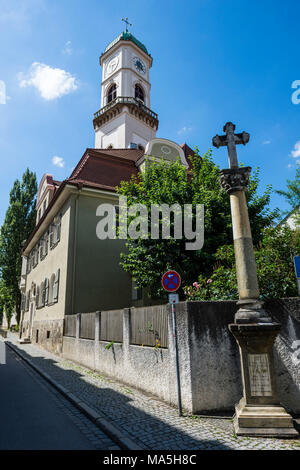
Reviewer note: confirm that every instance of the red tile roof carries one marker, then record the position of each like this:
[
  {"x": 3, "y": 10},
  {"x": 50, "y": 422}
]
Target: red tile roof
[
  {"x": 105, "y": 168},
  {"x": 101, "y": 169},
  {"x": 187, "y": 152}
]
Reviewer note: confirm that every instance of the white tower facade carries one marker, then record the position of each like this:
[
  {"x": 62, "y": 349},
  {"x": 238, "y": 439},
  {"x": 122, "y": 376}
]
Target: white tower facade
[{"x": 125, "y": 119}]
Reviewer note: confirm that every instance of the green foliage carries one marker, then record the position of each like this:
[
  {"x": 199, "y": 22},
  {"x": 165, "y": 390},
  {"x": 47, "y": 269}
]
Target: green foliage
[
  {"x": 18, "y": 224},
  {"x": 7, "y": 305},
  {"x": 292, "y": 193},
  {"x": 164, "y": 182},
  {"x": 275, "y": 269}
]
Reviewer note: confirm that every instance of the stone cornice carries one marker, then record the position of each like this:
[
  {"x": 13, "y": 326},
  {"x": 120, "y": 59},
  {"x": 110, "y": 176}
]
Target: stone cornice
[{"x": 136, "y": 109}]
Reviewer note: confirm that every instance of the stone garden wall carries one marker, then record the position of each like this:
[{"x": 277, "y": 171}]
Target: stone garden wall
[{"x": 208, "y": 355}]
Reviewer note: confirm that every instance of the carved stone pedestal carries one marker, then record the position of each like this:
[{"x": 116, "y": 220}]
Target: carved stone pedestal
[{"x": 259, "y": 412}]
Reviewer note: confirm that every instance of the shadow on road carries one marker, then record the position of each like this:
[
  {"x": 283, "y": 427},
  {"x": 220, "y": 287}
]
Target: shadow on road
[{"x": 148, "y": 431}]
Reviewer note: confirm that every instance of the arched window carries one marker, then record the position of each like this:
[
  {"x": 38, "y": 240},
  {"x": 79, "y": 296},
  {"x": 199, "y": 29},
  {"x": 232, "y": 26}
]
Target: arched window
[
  {"x": 139, "y": 93},
  {"x": 112, "y": 93}
]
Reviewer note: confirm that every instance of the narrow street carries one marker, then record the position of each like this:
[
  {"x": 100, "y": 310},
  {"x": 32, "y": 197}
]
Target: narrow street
[
  {"x": 32, "y": 412},
  {"x": 34, "y": 416}
]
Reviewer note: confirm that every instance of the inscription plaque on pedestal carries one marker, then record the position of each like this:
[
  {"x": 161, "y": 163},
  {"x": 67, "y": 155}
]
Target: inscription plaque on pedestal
[{"x": 259, "y": 374}]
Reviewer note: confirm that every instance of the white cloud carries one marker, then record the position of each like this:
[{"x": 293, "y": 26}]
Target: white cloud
[
  {"x": 67, "y": 48},
  {"x": 184, "y": 130},
  {"x": 58, "y": 161},
  {"x": 266, "y": 142},
  {"x": 296, "y": 152},
  {"x": 3, "y": 96},
  {"x": 290, "y": 165},
  {"x": 50, "y": 82}
]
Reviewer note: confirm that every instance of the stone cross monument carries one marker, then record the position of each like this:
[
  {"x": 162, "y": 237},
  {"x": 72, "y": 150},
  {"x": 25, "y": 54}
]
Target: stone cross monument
[
  {"x": 259, "y": 412},
  {"x": 235, "y": 181}
]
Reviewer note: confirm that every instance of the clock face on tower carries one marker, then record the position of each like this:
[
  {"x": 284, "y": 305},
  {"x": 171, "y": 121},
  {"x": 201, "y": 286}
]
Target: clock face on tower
[
  {"x": 112, "y": 65},
  {"x": 139, "y": 65}
]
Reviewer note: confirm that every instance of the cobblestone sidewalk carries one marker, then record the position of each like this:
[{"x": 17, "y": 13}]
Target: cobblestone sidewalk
[{"x": 149, "y": 422}]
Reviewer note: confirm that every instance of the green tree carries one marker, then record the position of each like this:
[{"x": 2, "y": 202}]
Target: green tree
[
  {"x": 7, "y": 305},
  {"x": 18, "y": 224},
  {"x": 146, "y": 259},
  {"x": 292, "y": 194},
  {"x": 275, "y": 269}
]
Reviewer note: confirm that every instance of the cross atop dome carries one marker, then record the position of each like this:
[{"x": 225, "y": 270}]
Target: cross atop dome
[{"x": 127, "y": 24}]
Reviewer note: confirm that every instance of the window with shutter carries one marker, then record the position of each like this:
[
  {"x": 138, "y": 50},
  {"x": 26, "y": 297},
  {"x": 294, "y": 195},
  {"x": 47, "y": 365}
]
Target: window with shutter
[
  {"x": 51, "y": 286},
  {"x": 58, "y": 228},
  {"x": 56, "y": 286},
  {"x": 51, "y": 235},
  {"x": 46, "y": 291},
  {"x": 27, "y": 301},
  {"x": 43, "y": 291},
  {"x": 42, "y": 243},
  {"x": 46, "y": 243},
  {"x": 37, "y": 297}
]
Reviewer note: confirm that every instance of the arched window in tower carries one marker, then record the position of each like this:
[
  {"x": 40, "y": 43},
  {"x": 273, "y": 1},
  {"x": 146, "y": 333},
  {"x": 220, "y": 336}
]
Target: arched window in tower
[
  {"x": 112, "y": 93},
  {"x": 139, "y": 93}
]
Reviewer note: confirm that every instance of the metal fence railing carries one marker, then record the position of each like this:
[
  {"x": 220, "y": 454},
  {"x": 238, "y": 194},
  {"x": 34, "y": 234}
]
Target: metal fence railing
[
  {"x": 87, "y": 326},
  {"x": 149, "y": 326},
  {"x": 112, "y": 326},
  {"x": 70, "y": 325}
]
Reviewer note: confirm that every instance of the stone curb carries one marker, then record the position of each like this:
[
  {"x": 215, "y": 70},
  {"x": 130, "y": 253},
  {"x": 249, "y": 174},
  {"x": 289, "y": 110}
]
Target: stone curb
[{"x": 102, "y": 423}]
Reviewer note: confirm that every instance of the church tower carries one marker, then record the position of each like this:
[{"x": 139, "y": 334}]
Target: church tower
[{"x": 125, "y": 119}]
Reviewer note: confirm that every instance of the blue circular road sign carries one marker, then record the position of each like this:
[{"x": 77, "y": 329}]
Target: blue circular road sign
[{"x": 171, "y": 281}]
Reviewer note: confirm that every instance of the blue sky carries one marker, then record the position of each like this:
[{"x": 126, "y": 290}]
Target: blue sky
[{"x": 214, "y": 61}]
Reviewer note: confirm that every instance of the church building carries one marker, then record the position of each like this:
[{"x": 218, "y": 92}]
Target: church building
[{"x": 66, "y": 269}]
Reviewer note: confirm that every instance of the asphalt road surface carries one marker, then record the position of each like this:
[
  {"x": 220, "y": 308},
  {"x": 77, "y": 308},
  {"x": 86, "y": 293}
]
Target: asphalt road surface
[{"x": 34, "y": 416}]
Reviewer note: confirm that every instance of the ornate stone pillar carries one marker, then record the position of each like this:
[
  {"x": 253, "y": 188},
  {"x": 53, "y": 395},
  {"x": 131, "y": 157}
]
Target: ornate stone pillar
[
  {"x": 235, "y": 182},
  {"x": 259, "y": 412}
]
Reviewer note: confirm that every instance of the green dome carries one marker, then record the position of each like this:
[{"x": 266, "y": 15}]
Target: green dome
[{"x": 126, "y": 36}]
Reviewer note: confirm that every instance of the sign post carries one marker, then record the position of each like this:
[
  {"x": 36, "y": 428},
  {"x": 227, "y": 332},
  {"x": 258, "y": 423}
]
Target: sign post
[
  {"x": 297, "y": 271},
  {"x": 171, "y": 282}
]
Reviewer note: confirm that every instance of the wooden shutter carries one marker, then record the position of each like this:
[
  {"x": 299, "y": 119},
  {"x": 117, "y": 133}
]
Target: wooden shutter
[
  {"x": 43, "y": 294},
  {"x": 46, "y": 291},
  {"x": 57, "y": 228},
  {"x": 51, "y": 235},
  {"x": 37, "y": 297},
  {"x": 55, "y": 286}
]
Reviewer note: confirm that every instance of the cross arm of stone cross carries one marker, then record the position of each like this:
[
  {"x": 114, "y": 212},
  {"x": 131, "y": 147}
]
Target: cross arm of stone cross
[
  {"x": 219, "y": 141},
  {"x": 230, "y": 140},
  {"x": 229, "y": 128},
  {"x": 242, "y": 138}
]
